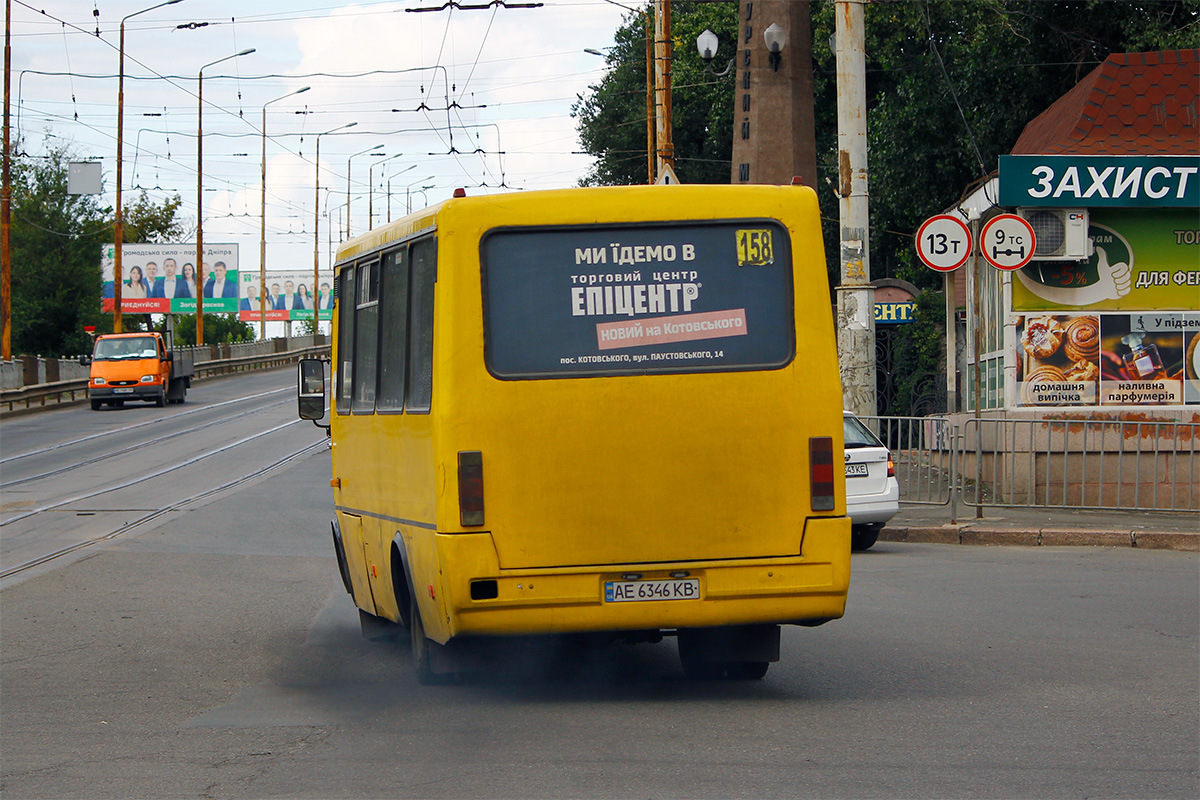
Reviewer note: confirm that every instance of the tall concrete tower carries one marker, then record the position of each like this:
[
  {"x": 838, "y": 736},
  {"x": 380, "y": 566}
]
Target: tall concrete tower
[{"x": 774, "y": 136}]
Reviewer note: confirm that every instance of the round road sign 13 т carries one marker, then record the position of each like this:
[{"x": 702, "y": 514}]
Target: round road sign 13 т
[{"x": 944, "y": 243}]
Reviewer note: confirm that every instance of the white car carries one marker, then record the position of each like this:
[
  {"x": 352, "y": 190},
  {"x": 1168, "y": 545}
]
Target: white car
[{"x": 872, "y": 493}]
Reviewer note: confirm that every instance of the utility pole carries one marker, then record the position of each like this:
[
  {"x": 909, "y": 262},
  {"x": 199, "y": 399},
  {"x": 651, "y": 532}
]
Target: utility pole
[
  {"x": 855, "y": 295},
  {"x": 6, "y": 202},
  {"x": 662, "y": 84}
]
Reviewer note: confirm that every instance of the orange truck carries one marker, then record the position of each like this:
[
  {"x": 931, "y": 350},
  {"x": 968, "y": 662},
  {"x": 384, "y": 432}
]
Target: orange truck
[{"x": 137, "y": 366}]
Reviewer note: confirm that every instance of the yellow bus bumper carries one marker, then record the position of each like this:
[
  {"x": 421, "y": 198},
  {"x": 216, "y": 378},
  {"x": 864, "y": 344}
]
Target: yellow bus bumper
[{"x": 810, "y": 587}]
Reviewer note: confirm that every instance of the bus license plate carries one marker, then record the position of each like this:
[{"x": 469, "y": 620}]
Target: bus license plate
[
  {"x": 123, "y": 391},
  {"x": 856, "y": 470},
  {"x": 637, "y": 591}
]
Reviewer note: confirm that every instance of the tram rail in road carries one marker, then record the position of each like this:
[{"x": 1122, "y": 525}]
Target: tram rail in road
[{"x": 69, "y": 488}]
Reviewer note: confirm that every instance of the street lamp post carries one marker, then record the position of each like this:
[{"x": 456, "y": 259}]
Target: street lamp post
[
  {"x": 389, "y": 191},
  {"x": 648, "y": 24},
  {"x": 408, "y": 193},
  {"x": 371, "y": 188},
  {"x": 348, "y": 160},
  {"x": 262, "y": 251},
  {"x": 200, "y": 191},
  {"x": 317, "y": 221},
  {"x": 119, "y": 218}
]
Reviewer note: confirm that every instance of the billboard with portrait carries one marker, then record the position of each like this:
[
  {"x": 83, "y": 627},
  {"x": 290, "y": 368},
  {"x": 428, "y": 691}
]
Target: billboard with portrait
[
  {"x": 290, "y": 296},
  {"x": 161, "y": 278}
]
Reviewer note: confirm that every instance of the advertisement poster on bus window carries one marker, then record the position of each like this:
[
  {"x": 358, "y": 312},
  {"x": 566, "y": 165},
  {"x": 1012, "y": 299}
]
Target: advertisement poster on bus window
[
  {"x": 161, "y": 278},
  {"x": 601, "y": 300},
  {"x": 289, "y": 296},
  {"x": 1144, "y": 359}
]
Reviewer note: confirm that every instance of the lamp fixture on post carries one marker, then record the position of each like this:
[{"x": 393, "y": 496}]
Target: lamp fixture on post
[
  {"x": 389, "y": 189},
  {"x": 408, "y": 193},
  {"x": 707, "y": 44},
  {"x": 776, "y": 39},
  {"x": 200, "y": 191},
  {"x": 317, "y": 220},
  {"x": 371, "y": 189},
  {"x": 119, "y": 218},
  {"x": 262, "y": 252},
  {"x": 348, "y": 160}
]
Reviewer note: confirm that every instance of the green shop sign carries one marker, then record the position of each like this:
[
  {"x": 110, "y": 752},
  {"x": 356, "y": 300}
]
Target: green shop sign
[{"x": 1094, "y": 181}]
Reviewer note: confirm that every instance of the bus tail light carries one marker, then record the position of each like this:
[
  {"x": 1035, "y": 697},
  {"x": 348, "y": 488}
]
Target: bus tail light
[
  {"x": 470, "y": 487},
  {"x": 820, "y": 460}
]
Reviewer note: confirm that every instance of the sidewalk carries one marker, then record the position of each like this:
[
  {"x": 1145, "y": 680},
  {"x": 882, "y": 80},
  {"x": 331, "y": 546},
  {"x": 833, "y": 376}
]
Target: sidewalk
[{"x": 1045, "y": 527}]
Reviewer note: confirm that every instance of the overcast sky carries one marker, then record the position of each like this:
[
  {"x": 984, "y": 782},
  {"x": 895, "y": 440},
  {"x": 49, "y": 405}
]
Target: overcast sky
[{"x": 508, "y": 76}]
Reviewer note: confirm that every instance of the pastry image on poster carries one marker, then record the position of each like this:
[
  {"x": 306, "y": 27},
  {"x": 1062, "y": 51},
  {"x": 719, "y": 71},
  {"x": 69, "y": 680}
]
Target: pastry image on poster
[
  {"x": 1141, "y": 359},
  {"x": 1191, "y": 367},
  {"x": 1058, "y": 360}
]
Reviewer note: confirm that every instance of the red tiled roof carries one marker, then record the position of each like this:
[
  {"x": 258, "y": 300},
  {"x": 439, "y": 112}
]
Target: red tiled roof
[{"x": 1132, "y": 104}]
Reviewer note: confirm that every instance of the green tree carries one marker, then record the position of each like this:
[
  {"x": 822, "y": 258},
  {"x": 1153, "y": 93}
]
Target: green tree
[
  {"x": 612, "y": 116},
  {"x": 55, "y": 242},
  {"x": 144, "y": 222},
  {"x": 951, "y": 85},
  {"x": 218, "y": 329}
]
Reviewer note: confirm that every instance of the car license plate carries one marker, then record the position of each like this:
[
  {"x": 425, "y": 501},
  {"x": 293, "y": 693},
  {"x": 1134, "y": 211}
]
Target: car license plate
[
  {"x": 856, "y": 470},
  {"x": 637, "y": 591},
  {"x": 123, "y": 391}
]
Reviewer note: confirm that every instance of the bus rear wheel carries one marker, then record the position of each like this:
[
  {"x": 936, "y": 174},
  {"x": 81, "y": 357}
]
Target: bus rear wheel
[
  {"x": 747, "y": 670},
  {"x": 421, "y": 647}
]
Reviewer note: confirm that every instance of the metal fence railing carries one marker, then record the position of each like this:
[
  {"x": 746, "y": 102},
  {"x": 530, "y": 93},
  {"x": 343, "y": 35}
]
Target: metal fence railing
[
  {"x": 1085, "y": 464},
  {"x": 209, "y": 361},
  {"x": 923, "y": 452},
  {"x": 1080, "y": 464}
]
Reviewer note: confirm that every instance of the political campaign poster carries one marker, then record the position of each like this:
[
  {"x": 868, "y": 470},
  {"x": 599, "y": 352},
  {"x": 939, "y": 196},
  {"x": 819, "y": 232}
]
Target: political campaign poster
[
  {"x": 161, "y": 278},
  {"x": 290, "y": 296}
]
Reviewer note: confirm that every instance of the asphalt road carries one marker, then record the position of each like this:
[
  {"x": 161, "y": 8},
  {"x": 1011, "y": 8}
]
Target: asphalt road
[{"x": 213, "y": 653}]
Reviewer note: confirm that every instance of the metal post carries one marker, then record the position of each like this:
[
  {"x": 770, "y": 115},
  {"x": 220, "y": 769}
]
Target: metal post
[
  {"x": 855, "y": 295},
  {"x": 262, "y": 252},
  {"x": 348, "y": 160},
  {"x": 973, "y": 313},
  {"x": 650, "y": 159},
  {"x": 317, "y": 214},
  {"x": 200, "y": 191},
  {"x": 6, "y": 202}
]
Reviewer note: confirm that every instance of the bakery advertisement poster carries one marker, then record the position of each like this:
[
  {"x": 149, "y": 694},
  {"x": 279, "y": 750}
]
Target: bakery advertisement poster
[{"x": 1109, "y": 359}]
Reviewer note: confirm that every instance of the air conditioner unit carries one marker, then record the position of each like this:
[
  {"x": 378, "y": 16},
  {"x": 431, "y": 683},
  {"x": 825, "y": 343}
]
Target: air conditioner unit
[{"x": 1062, "y": 233}]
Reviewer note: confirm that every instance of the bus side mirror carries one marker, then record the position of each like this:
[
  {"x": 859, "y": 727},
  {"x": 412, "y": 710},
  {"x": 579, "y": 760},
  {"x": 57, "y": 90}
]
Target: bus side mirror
[{"x": 311, "y": 388}]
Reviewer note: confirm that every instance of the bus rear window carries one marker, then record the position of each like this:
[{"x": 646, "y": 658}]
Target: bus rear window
[{"x": 634, "y": 299}]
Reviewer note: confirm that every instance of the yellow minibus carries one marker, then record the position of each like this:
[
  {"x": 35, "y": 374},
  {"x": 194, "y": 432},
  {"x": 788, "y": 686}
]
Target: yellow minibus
[{"x": 589, "y": 411}]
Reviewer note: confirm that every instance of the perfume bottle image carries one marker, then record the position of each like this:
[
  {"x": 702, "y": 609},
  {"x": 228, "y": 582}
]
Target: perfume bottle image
[{"x": 1142, "y": 362}]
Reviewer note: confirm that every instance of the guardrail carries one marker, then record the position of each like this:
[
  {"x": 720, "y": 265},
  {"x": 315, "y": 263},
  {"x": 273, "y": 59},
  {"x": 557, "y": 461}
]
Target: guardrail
[
  {"x": 1044, "y": 463},
  {"x": 44, "y": 395}
]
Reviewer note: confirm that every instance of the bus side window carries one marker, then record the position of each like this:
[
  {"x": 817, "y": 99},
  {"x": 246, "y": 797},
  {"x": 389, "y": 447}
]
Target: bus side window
[
  {"x": 420, "y": 342},
  {"x": 345, "y": 355},
  {"x": 366, "y": 338},
  {"x": 393, "y": 333}
]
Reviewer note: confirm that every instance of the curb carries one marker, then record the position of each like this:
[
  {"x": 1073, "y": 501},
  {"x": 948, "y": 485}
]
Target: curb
[{"x": 1048, "y": 537}]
